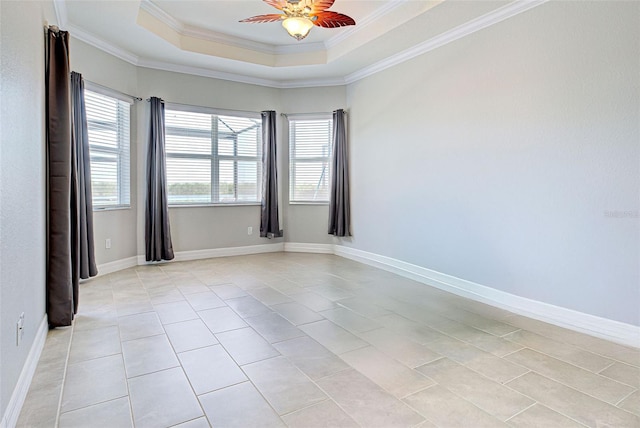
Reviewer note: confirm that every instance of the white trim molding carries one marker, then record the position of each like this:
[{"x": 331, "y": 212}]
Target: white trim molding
[
  {"x": 295, "y": 247},
  {"x": 484, "y": 21},
  {"x": 604, "y": 328},
  {"x": 115, "y": 266},
  {"x": 502, "y": 13},
  {"x": 182, "y": 256},
  {"x": 10, "y": 417}
]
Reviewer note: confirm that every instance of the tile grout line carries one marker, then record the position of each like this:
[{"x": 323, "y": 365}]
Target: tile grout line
[
  {"x": 247, "y": 376},
  {"x": 580, "y": 347},
  {"x": 521, "y": 411},
  {"x": 624, "y": 398},
  {"x": 64, "y": 377},
  {"x": 576, "y": 367},
  {"x": 457, "y": 395},
  {"x": 566, "y": 386},
  {"x": 172, "y": 275},
  {"x": 610, "y": 365}
]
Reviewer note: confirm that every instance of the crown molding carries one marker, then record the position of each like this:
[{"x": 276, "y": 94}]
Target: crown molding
[
  {"x": 311, "y": 83},
  {"x": 234, "y": 77},
  {"x": 207, "y": 72},
  {"x": 491, "y": 18},
  {"x": 161, "y": 15},
  {"x": 97, "y": 42},
  {"x": 217, "y": 37},
  {"x": 133, "y": 59},
  {"x": 363, "y": 23},
  {"x": 60, "y": 8},
  {"x": 477, "y": 24}
]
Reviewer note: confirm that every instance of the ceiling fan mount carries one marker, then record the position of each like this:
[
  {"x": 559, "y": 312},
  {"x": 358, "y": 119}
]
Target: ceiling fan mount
[{"x": 299, "y": 16}]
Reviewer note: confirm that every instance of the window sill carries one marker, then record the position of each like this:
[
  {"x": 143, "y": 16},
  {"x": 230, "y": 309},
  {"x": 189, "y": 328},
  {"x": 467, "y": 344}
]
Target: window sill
[
  {"x": 247, "y": 204},
  {"x": 308, "y": 203},
  {"x": 116, "y": 208}
]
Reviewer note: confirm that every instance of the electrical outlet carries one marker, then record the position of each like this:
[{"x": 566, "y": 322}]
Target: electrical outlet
[
  {"x": 107, "y": 243},
  {"x": 249, "y": 230},
  {"x": 20, "y": 329}
]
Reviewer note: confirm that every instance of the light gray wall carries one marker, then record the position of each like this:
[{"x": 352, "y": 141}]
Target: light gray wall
[
  {"x": 22, "y": 183},
  {"x": 495, "y": 158},
  {"x": 118, "y": 225}
]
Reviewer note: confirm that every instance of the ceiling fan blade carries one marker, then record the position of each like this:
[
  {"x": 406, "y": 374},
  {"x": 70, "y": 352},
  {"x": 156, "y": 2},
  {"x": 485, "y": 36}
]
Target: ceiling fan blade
[
  {"x": 278, "y": 4},
  {"x": 321, "y": 5},
  {"x": 272, "y": 17},
  {"x": 328, "y": 19}
]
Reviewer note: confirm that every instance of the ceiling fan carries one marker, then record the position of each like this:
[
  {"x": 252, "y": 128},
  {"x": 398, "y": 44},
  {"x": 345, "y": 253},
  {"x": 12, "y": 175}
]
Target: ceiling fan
[{"x": 301, "y": 15}]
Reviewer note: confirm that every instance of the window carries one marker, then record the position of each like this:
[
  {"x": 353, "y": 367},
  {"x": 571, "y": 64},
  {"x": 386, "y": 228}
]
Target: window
[
  {"x": 108, "y": 129},
  {"x": 310, "y": 143},
  {"x": 212, "y": 158}
]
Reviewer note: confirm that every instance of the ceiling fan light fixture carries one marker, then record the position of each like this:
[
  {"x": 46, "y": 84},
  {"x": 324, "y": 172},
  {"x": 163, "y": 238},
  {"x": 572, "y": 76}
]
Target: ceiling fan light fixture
[
  {"x": 298, "y": 27},
  {"x": 300, "y": 15}
]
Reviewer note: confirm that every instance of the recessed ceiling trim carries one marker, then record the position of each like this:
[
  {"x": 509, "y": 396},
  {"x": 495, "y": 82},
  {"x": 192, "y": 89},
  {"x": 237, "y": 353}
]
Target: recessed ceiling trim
[
  {"x": 186, "y": 30},
  {"x": 491, "y": 18},
  {"x": 60, "y": 7},
  {"x": 233, "y": 77},
  {"x": 216, "y": 37},
  {"x": 364, "y": 22},
  {"x": 96, "y": 42},
  {"x": 205, "y": 72},
  {"x": 158, "y": 13},
  {"x": 477, "y": 24}
]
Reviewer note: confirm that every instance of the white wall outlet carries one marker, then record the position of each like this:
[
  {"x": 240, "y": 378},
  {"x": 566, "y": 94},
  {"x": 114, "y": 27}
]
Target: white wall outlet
[
  {"x": 20, "y": 329},
  {"x": 249, "y": 230},
  {"x": 107, "y": 243}
]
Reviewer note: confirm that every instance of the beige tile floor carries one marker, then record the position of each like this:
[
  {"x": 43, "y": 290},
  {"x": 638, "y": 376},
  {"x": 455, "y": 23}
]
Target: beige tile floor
[{"x": 305, "y": 340}]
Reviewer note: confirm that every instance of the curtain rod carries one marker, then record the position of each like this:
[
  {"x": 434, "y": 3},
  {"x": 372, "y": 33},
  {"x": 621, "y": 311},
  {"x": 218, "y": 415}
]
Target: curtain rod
[
  {"x": 218, "y": 110},
  {"x": 114, "y": 90},
  {"x": 308, "y": 114}
]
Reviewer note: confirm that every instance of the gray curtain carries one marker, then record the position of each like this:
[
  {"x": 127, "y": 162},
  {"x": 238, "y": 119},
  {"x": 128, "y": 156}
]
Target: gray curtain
[
  {"x": 84, "y": 260},
  {"x": 157, "y": 230},
  {"x": 339, "y": 212},
  {"x": 61, "y": 288},
  {"x": 269, "y": 222}
]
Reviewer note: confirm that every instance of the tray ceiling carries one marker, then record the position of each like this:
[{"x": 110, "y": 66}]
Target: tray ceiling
[{"x": 205, "y": 38}]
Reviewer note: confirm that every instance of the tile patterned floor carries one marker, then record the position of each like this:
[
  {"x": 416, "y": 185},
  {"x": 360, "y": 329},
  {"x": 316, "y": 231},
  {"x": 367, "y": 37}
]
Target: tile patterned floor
[{"x": 304, "y": 340}]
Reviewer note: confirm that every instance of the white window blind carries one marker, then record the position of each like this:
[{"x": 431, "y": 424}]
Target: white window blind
[
  {"x": 310, "y": 142},
  {"x": 108, "y": 128},
  {"x": 212, "y": 158}
]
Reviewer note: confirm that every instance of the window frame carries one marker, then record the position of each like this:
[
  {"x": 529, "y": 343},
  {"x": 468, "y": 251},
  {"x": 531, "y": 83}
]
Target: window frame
[
  {"x": 292, "y": 151},
  {"x": 215, "y": 158},
  {"x": 122, "y": 152}
]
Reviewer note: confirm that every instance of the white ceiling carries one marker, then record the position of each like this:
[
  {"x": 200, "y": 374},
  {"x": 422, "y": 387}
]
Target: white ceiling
[{"x": 204, "y": 37}]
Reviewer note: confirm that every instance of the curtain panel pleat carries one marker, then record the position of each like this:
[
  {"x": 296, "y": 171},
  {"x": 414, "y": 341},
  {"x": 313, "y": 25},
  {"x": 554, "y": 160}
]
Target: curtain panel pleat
[
  {"x": 61, "y": 288},
  {"x": 339, "y": 204},
  {"x": 269, "y": 221},
  {"x": 84, "y": 260},
  {"x": 157, "y": 229}
]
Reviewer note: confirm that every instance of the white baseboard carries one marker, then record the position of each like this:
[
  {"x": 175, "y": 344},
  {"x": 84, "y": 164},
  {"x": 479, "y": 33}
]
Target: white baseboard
[
  {"x": 614, "y": 331},
  {"x": 295, "y": 247},
  {"x": 182, "y": 256},
  {"x": 604, "y": 328},
  {"x": 229, "y": 251},
  {"x": 10, "y": 417},
  {"x": 117, "y": 265}
]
